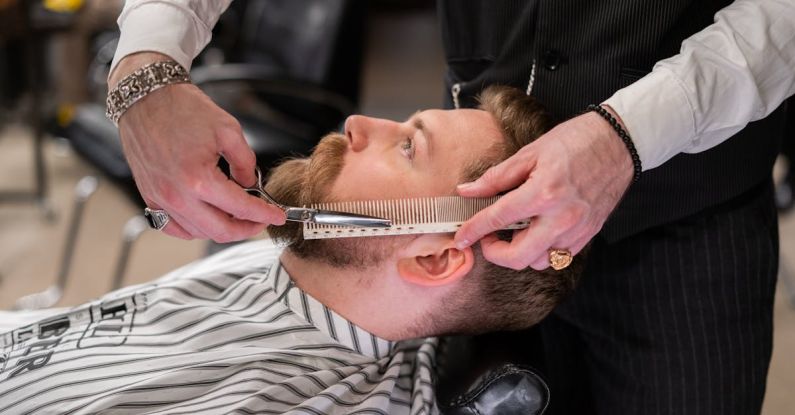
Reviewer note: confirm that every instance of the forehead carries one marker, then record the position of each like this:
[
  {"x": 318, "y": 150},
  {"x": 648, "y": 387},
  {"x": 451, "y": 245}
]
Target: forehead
[
  {"x": 453, "y": 140},
  {"x": 468, "y": 123}
]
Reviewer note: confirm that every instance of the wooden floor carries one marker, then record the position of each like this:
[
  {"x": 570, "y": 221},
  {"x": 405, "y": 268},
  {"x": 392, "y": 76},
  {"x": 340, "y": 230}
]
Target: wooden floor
[{"x": 402, "y": 75}]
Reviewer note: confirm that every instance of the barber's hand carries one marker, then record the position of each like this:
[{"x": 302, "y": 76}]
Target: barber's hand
[
  {"x": 567, "y": 181},
  {"x": 173, "y": 139}
]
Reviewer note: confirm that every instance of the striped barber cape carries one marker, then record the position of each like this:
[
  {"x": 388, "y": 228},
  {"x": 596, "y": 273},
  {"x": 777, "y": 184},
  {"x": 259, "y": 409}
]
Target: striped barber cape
[{"x": 227, "y": 334}]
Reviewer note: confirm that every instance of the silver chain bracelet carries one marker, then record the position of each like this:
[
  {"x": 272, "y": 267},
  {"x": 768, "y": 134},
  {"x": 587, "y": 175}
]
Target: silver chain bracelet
[{"x": 138, "y": 84}]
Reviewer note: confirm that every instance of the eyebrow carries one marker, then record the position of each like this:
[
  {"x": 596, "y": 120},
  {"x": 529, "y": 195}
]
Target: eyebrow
[{"x": 418, "y": 123}]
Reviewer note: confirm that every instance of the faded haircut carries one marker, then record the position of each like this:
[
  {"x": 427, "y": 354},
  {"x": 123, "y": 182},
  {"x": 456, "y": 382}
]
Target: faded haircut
[{"x": 508, "y": 299}]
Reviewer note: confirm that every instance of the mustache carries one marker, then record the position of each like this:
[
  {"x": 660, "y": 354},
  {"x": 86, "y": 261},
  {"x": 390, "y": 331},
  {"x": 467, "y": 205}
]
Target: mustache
[
  {"x": 333, "y": 145},
  {"x": 325, "y": 165},
  {"x": 303, "y": 181}
]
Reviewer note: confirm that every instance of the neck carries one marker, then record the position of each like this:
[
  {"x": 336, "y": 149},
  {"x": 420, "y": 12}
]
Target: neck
[{"x": 374, "y": 299}]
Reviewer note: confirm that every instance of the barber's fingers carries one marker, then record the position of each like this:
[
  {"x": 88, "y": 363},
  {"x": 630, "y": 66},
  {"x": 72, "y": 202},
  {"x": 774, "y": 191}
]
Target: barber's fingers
[
  {"x": 513, "y": 207},
  {"x": 228, "y": 196},
  {"x": 233, "y": 148},
  {"x": 210, "y": 205},
  {"x": 207, "y": 221},
  {"x": 574, "y": 247},
  {"x": 514, "y": 254},
  {"x": 542, "y": 261},
  {"x": 523, "y": 250},
  {"x": 173, "y": 226},
  {"x": 174, "y": 229},
  {"x": 557, "y": 228},
  {"x": 172, "y": 141},
  {"x": 572, "y": 240},
  {"x": 507, "y": 175},
  {"x": 231, "y": 229}
]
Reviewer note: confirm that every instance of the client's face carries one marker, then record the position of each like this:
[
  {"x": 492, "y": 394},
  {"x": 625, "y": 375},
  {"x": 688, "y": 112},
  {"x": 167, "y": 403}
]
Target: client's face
[
  {"x": 426, "y": 155},
  {"x": 422, "y": 156}
]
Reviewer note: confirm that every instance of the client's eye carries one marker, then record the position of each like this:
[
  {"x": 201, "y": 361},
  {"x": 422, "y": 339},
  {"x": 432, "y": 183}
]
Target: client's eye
[{"x": 408, "y": 147}]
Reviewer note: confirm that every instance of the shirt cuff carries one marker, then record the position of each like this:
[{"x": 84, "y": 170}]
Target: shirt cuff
[
  {"x": 158, "y": 27},
  {"x": 657, "y": 115}
]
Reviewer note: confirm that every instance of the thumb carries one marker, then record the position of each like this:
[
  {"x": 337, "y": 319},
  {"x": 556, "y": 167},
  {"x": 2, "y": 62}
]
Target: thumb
[
  {"x": 505, "y": 176},
  {"x": 241, "y": 159},
  {"x": 509, "y": 209}
]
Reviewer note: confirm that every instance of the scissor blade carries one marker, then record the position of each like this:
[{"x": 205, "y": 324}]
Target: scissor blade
[{"x": 330, "y": 217}]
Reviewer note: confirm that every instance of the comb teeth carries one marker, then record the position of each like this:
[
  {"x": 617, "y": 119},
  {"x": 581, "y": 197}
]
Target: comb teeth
[{"x": 409, "y": 216}]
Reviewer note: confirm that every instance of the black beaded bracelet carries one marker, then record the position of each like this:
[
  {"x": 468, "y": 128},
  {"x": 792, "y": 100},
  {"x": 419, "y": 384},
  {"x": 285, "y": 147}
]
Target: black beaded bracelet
[{"x": 624, "y": 137}]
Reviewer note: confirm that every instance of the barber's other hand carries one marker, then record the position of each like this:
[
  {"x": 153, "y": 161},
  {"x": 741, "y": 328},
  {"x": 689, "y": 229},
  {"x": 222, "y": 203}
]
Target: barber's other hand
[
  {"x": 173, "y": 139},
  {"x": 567, "y": 181}
]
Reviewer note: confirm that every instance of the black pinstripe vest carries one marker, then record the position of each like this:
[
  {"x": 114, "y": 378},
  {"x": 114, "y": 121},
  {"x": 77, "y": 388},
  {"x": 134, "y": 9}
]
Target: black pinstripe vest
[{"x": 586, "y": 50}]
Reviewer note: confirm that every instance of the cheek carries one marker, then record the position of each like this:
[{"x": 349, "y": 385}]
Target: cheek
[
  {"x": 369, "y": 178},
  {"x": 448, "y": 169}
]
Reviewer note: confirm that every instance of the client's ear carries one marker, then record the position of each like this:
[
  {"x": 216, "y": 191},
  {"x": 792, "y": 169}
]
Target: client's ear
[{"x": 433, "y": 260}]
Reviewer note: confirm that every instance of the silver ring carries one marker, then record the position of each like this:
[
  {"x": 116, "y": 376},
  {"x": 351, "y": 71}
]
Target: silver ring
[{"x": 156, "y": 218}]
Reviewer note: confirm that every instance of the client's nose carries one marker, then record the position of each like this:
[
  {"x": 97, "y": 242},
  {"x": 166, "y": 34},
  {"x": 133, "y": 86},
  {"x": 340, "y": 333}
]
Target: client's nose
[
  {"x": 356, "y": 132},
  {"x": 361, "y": 130}
]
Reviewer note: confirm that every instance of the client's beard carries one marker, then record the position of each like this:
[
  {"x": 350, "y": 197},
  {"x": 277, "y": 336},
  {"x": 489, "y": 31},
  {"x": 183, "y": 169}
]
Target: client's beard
[{"x": 303, "y": 181}]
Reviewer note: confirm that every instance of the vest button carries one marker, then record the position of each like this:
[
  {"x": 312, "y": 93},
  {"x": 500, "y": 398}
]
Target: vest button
[{"x": 552, "y": 59}]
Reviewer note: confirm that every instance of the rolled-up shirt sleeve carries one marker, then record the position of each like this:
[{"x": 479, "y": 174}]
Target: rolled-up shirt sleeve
[
  {"x": 177, "y": 28},
  {"x": 735, "y": 71}
]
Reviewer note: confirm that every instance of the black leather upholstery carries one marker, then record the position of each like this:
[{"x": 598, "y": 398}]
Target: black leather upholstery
[
  {"x": 293, "y": 75},
  {"x": 490, "y": 374},
  {"x": 290, "y": 83},
  {"x": 294, "y": 78},
  {"x": 507, "y": 390},
  {"x": 97, "y": 140}
]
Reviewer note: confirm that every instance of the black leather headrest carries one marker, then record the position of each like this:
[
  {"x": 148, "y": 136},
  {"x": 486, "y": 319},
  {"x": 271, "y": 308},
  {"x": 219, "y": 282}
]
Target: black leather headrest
[
  {"x": 490, "y": 374},
  {"x": 506, "y": 390}
]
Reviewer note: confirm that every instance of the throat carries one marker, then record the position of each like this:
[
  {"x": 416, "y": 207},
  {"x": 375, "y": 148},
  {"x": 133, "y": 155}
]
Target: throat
[{"x": 369, "y": 299}]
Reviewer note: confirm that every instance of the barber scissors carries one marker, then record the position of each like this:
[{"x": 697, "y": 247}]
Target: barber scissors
[{"x": 318, "y": 216}]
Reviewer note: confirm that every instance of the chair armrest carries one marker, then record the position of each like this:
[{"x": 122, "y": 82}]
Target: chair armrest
[{"x": 270, "y": 80}]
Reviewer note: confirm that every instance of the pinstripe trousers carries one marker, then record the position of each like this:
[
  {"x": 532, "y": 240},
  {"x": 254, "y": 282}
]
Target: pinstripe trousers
[{"x": 676, "y": 320}]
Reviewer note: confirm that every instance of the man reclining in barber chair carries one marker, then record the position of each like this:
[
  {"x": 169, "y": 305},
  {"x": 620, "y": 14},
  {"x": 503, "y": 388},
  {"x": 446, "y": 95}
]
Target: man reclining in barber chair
[{"x": 321, "y": 326}]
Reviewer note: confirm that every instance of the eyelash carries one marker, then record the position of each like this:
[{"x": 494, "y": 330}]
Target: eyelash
[{"x": 408, "y": 148}]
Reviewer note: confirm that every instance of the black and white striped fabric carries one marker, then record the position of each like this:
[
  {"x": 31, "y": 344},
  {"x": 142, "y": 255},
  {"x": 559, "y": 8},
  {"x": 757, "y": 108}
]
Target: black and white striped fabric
[{"x": 227, "y": 334}]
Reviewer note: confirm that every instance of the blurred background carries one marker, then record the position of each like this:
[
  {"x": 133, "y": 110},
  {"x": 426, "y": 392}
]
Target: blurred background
[{"x": 70, "y": 224}]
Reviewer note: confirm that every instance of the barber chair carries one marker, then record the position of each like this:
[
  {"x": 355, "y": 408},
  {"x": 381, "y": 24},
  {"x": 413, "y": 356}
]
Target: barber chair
[
  {"x": 51, "y": 295},
  {"x": 490, "y": 374},
  {"x": 290, "y": 76},
  {"x": 289, "y": 73}
]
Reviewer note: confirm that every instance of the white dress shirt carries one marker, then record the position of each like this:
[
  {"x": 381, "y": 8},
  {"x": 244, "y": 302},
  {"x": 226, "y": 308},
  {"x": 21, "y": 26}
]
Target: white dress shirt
[
  {"x": 230, "y": 333},
  {"x": 735, "y": 71}
]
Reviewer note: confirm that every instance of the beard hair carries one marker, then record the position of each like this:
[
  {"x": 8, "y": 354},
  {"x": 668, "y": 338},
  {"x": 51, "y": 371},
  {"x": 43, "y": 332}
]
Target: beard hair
[
  {"x": 360, "y": 253},
  {"x": 301, "y": 182}
]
